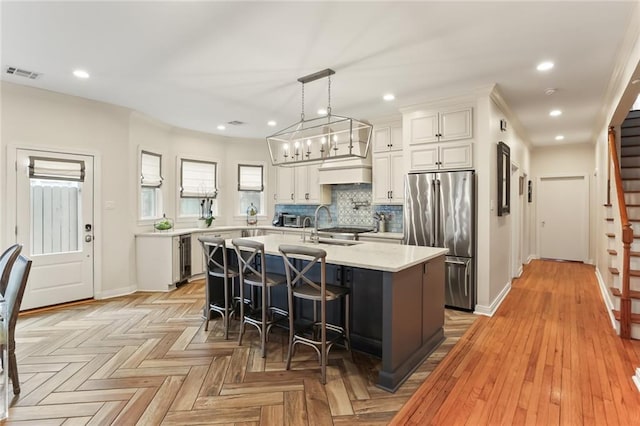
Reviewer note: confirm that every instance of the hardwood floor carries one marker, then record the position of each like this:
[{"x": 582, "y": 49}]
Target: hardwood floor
[
  {"x": 146, "y": 359},
  {"x": 549, "y": 356}
]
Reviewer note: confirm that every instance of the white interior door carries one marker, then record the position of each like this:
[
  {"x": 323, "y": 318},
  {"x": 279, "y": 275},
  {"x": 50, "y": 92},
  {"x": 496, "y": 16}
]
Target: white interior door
[
  {"x": 54, "y": 211},
  {"x": 562, "y": 215}
]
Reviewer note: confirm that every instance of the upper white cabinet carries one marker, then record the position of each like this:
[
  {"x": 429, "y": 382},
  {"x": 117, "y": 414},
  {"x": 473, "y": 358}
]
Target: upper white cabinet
[
  {"x": 439, "y": 138},
  {"x": 439, "y": 126},
  {"x": 388, "y": 178},
  {"x": 307, "y": 186},
  {"x": 387, "y": 138},
  {"x": 449, "y": 155},
  {"x": 284, "y": 185},
  {"x": 300, "y": 185}
]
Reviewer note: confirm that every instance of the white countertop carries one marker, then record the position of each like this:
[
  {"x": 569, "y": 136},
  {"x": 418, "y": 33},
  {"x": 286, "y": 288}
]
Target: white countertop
[
  {"x": 363, "y": 254},
  {"x": 181, "y": 231}
]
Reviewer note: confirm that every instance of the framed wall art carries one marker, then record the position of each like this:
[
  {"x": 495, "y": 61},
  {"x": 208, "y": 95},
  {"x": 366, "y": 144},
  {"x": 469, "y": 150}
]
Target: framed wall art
[{"x": 504, "y": 179}]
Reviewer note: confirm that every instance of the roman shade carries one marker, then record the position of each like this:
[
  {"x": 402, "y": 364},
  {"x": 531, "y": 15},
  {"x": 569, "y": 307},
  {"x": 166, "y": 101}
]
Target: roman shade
[
  {"x": 250, "y": 178},
  {"x": 150, "y": 169},
  {"x": 198, "y": 179},
  {"x": 57, "y": 169}
]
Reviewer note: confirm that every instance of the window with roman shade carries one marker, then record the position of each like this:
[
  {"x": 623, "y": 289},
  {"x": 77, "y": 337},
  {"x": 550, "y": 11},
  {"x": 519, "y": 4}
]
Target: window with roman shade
[
  {"x": 198, "y": 179},
  {"x": 150, "y": 183},
  {"x": 250, "y": 188},
  {"x": 151, "y": 169},
  {"x": 250, "y": 178},
  {"x": 56, "y": 169}
]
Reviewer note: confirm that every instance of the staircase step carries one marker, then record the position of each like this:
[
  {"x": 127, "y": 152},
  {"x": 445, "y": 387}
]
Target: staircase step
[
  {"x": 614, "y": 271},
  {"x": 633, "y": 294},
  {"x": 612, "y": 252},
  {"x": 611, "y": 205},
  {"x": 610, "y": 235},
  {"x": 635, "y": 318},
  {"x": 609, "y": 219}
]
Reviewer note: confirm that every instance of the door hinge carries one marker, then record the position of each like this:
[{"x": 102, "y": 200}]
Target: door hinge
[
  {"x": 15, "y": 165},
  {"x": 16, "y": 230}
]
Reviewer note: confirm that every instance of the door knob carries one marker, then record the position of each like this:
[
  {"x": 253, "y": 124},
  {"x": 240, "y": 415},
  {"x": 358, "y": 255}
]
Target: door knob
[{"x": 88, "y": 238}]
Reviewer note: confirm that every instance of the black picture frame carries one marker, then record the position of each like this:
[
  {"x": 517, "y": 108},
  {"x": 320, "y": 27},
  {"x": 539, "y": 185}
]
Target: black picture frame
[{"x": 504, "y": 179}]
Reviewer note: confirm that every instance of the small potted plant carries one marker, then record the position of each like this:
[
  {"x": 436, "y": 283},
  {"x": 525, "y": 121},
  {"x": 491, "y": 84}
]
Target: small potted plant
[{"x": 206, "y": 216}]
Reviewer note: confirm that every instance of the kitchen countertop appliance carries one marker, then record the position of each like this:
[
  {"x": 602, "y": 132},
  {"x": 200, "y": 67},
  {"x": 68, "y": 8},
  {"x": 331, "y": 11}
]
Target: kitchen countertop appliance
[{"x": 440, "y": 212}]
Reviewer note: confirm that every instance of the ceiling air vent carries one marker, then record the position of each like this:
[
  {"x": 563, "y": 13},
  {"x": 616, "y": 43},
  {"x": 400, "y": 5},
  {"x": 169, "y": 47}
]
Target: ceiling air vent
[
  {"x": 236, "y": 123},
  {"x": 22, "y": 73}
]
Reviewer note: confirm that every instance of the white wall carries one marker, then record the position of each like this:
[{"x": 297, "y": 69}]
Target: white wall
[
  {"x": 38, "y": 118},
  {"x": 566, "y": 160},
  {"x": 494, "y": 232}
]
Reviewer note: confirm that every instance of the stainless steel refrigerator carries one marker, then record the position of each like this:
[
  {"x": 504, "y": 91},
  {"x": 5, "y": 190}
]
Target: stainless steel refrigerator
[{"x": 440, "y": 212}]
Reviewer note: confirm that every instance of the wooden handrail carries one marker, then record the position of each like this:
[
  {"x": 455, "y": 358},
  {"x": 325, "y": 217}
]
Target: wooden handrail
[{"x": 627, "y": 239}]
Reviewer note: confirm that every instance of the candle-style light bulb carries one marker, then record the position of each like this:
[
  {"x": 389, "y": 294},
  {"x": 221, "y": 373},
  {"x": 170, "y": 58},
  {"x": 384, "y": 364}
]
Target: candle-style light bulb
[
  {"x": 297, "y": 146},
  {"x": 285, "y": 150}
]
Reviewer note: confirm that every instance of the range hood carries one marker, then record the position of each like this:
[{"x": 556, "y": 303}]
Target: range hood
[{"x": 345, "y": 171}]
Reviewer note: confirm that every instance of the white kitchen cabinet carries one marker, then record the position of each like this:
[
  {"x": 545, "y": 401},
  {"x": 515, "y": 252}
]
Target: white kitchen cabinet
[
  {"x": 388, "y": 178},
  {"x": 158, "y": 262},
  {"x": 284, "y": 185},
  {"x": 441, "y": 156},
  {"x": 300, "y": 185},
  {"x": 439, "y": 126},
  {"x": 387, "y": 138},
  {"x": 307, "y": 186}
]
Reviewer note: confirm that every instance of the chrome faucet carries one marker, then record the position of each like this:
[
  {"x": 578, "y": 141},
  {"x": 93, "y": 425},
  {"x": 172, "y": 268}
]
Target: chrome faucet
[
  {"x": 304, "y": 227},
  {"x": 314, "y": 234}
]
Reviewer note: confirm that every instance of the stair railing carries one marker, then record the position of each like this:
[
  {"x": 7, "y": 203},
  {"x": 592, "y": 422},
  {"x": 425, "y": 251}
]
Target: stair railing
[{"x": 627, "y": 239}]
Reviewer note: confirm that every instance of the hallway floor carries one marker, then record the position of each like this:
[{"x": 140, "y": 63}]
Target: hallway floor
[{"x": 549, "y": 356}]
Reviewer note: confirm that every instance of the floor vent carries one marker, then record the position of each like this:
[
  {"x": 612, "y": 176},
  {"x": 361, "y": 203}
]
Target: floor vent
[
  {"x": 22, "y": 73},
  {"x": 236, "y": 123}
]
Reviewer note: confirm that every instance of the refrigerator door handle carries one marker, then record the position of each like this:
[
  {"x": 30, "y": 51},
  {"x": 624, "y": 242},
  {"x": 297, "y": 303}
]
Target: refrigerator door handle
[
  {"x": 466, "y": 280},
  {"x": 457, "y": 262}
]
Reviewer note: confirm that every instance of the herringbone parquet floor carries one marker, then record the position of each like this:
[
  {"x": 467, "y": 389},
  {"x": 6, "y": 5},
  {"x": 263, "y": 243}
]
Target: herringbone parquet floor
[{"x": 146, "y": 359}]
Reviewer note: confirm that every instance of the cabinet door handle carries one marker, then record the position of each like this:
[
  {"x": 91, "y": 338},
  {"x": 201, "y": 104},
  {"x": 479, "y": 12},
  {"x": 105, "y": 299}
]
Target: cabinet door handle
[
  {"x": 306, "y": 196},
  {"x": 275, "y": 196},
  {"x": 292, "y": 195},
  {"x": 390, "y": 194}
]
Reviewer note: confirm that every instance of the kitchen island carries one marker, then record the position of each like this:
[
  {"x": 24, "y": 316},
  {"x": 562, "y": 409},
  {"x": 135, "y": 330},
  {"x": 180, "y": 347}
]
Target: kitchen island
[{"x": 397, "y": 298}]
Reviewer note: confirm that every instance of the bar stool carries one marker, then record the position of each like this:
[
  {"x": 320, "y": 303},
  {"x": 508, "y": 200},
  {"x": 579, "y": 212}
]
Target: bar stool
[
  {"x": 252, "y": 265},
  {"x": 211, "y": 246},
  {"x": 300, "y": 286}
]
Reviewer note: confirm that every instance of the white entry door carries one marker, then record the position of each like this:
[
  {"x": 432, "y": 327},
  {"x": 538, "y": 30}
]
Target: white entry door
[
  {"x": 54, "y": 215},
  {"x": 562, "y": 216}
]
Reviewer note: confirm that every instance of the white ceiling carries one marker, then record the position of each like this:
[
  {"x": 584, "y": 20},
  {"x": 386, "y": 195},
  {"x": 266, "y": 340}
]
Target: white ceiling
[{"x": 200, "y": 64}]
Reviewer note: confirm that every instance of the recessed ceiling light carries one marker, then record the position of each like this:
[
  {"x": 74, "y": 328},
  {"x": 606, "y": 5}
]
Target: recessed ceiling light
[
  {"x": 544, "y": 66},
  {"x": 389, "y": 97},
  {"x": 271, "y": 123},
  {"x": 322, "y": 111},
  {"x": 559, "y": 138},
  {"x": 221, "y": 127},
  {"x": 555, "y": 113},
  {"x": 81, "y": 73}
]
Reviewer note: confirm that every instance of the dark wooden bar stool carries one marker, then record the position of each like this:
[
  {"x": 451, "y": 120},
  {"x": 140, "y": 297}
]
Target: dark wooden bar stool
[
  {"x": 253, "y": 272},
  {"x": 301, "y": 287}
]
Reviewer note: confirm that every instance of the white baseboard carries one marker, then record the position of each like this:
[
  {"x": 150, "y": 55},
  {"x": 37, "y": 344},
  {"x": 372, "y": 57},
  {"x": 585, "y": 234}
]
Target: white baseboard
[
  {"x": 531, "y": 257},
  {"x": 636, "y": 378},
  {"x": 490, "y": 310},
  {"x": 606, "y": 296},
  {"x": 122, "y": 291}
]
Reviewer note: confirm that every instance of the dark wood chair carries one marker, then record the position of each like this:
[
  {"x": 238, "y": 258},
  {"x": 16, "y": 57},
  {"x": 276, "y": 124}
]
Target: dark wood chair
[
  {"x": 217, "y": 266},
  {"x": 319, "y": 334},
  {"x": 6, "y": 262},
  {"x": 13, "y": 298}
]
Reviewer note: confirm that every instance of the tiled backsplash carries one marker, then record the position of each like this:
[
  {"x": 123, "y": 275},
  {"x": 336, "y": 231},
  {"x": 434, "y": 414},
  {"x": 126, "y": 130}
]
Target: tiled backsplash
[{"x": 350, "y": 206}]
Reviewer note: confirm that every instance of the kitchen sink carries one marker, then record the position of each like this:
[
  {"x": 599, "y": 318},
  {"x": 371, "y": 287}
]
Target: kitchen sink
[{"x": 337, "y": 242}]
